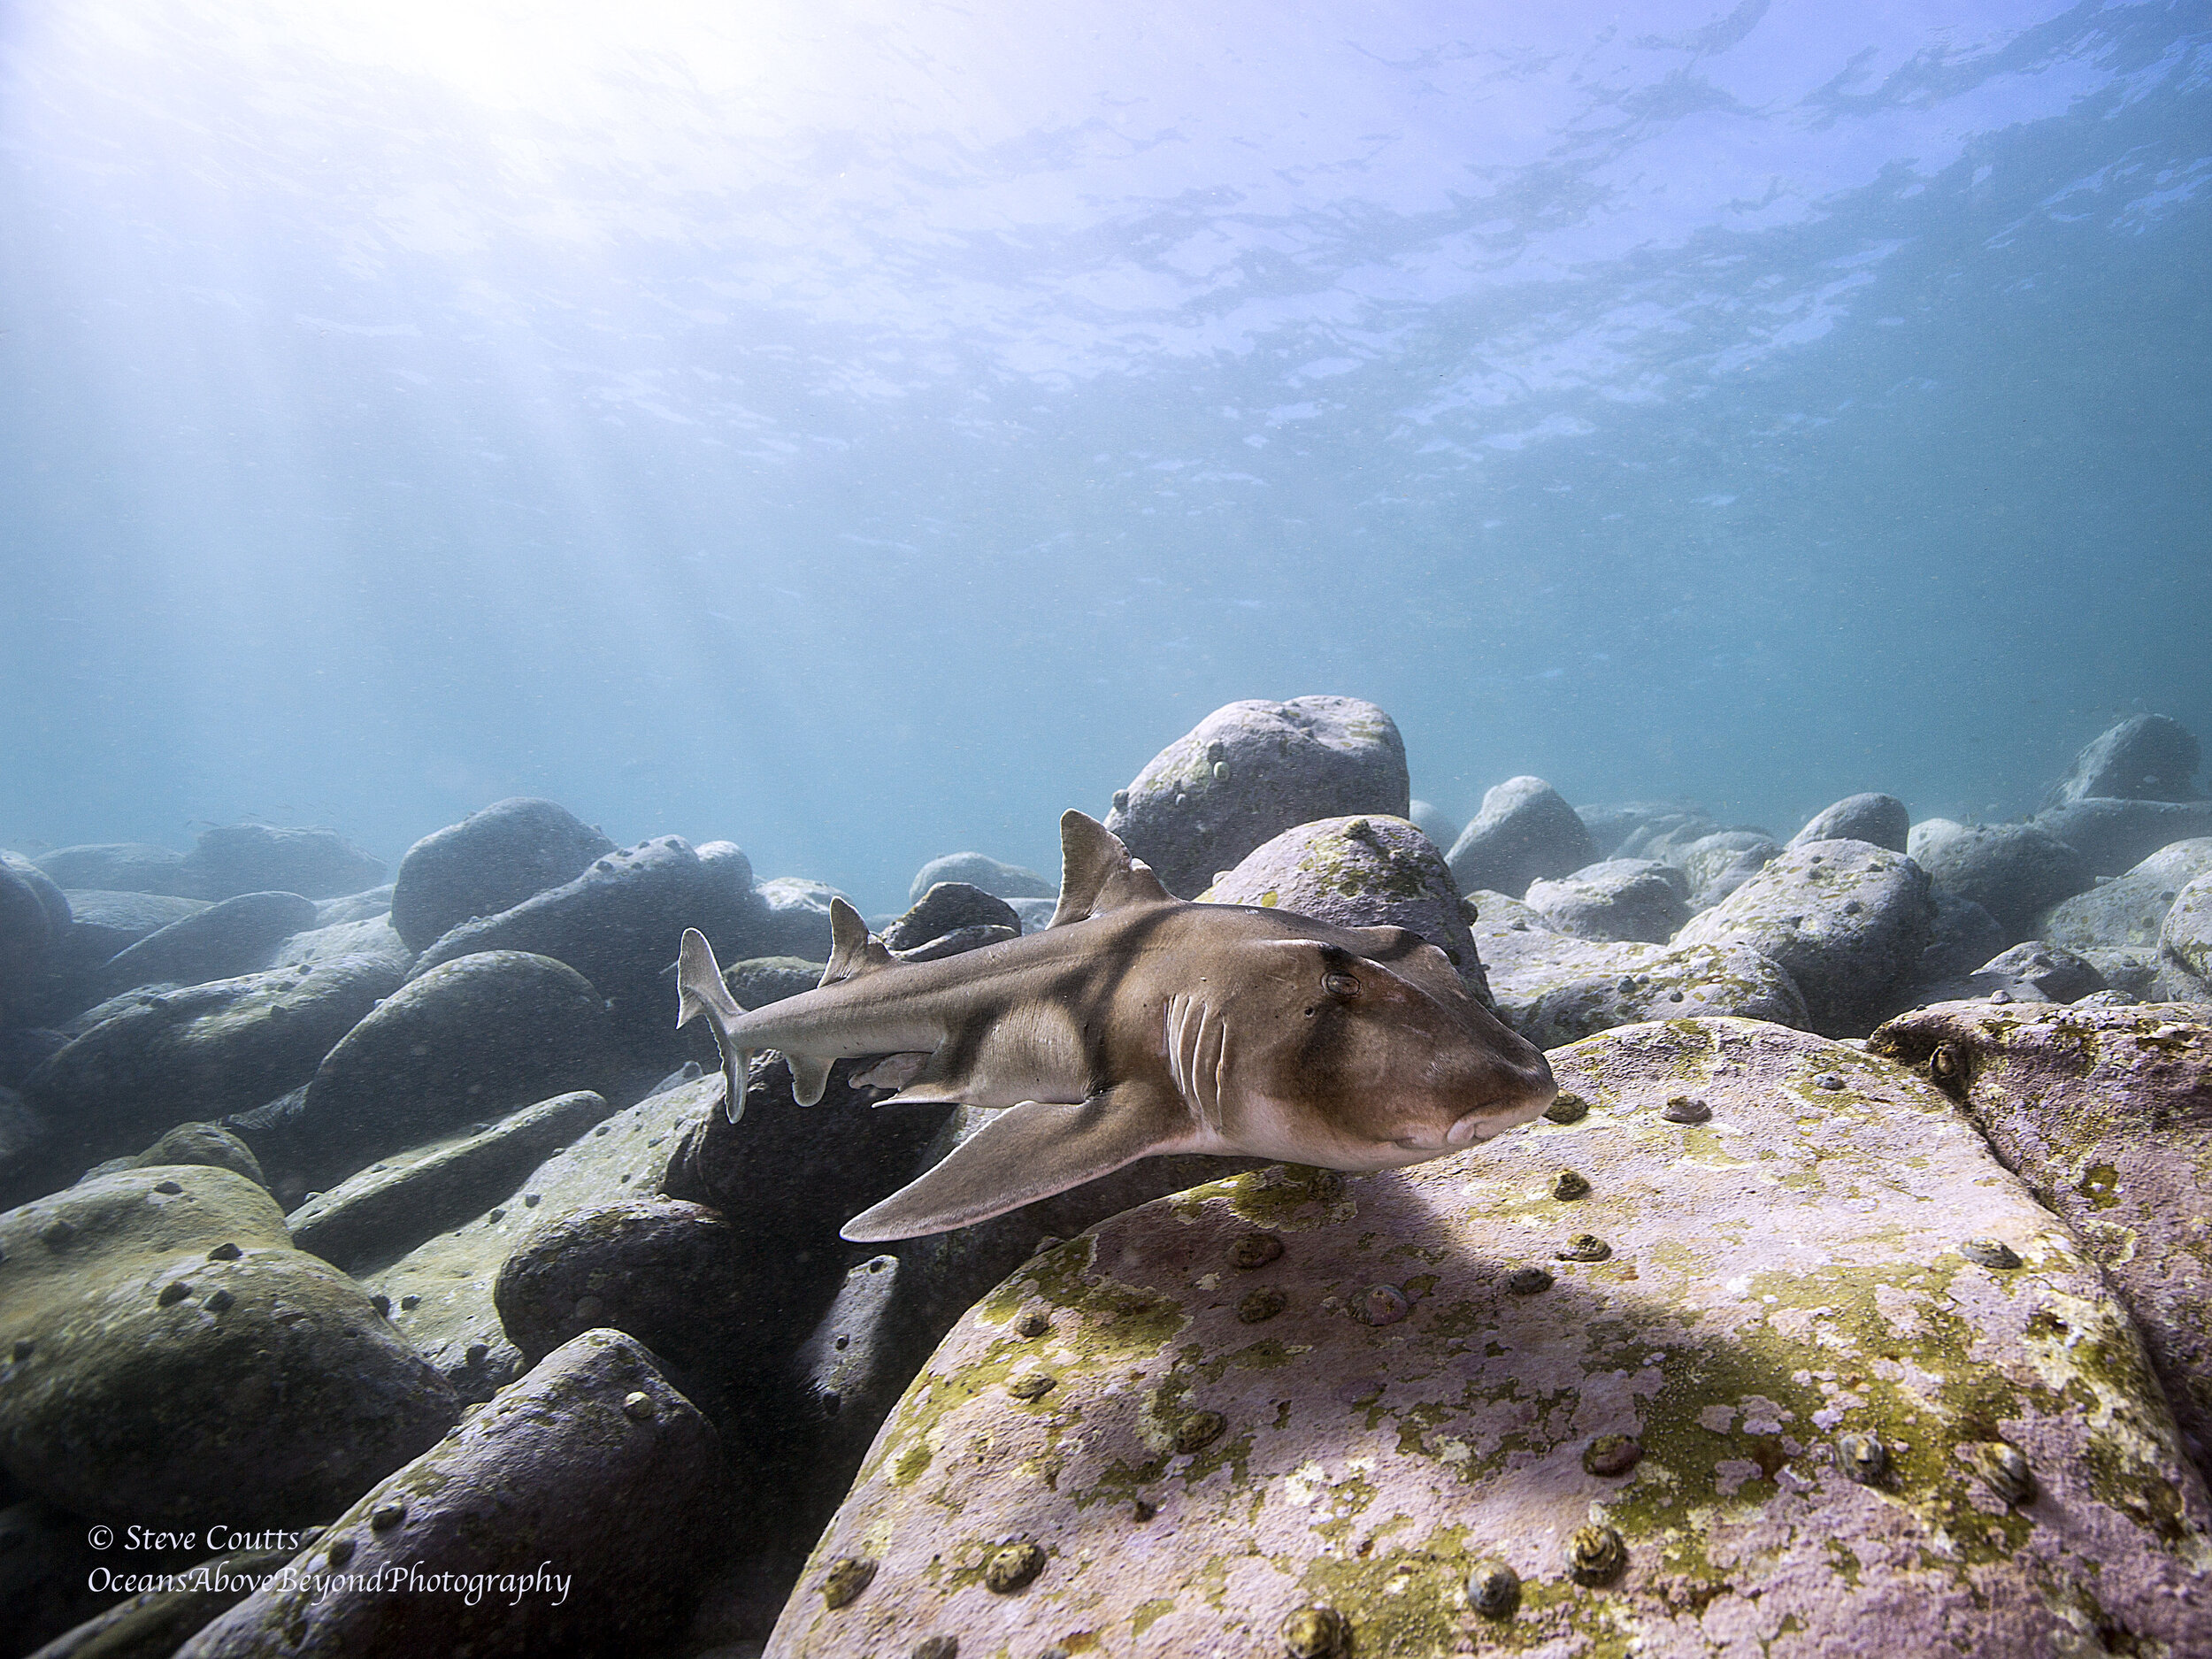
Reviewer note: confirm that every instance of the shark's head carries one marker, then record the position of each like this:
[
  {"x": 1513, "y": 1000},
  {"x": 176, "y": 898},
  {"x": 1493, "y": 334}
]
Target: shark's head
[{"x": 1358, "y": 1049}]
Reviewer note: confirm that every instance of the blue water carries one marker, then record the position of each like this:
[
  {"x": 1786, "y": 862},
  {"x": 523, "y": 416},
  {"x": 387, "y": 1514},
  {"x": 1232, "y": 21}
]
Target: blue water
[{"x": 863, "y": 431}]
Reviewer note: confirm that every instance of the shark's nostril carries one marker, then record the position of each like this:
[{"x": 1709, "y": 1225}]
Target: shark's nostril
[{"x": 1464, "y": 1133}]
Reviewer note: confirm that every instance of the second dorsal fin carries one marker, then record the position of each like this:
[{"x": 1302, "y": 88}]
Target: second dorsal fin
[
  {"x": 854, "y": 951},
  {"x": 1097, "y": 875}
]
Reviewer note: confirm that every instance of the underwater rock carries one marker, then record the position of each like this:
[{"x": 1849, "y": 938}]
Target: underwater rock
[
  {"x": 195, "y": 1054},
  {"x": 491, "y": 861},
  {"x": 235, "y": 936},
  {"x": 2128, "y": 909},
  {"x": 353, "y": 907},
  {"x": 759, "y": 980},
  {"x": 121, "y": 867},
  {"x": 1554, "y": 989},
  {"x": 46, "y": 1568},
  {"x": 2146, "y": 757},
  {"x": 1036, "y": 914},
  {"x": 1251, "y": 770},
  {"x": 440, "y": 1292},
  {"x": 104, "y": 923},
  {"x": 1368, "y": 872},
  {"x": 210, "y": 1144},
  {"x": 2107, "y": 1114},
  {"x": 1646, "y": 829},
  {"x": 154, "y": 1624},
  {"x": 1636, "y": 899},
  {"x": 2184, "y": 938},
  {"x": 949, "y": 908},
  {"x": 51, "y": 899},
  {"x": 1846, "y": 920},
  {"x": 1433, "y": 822},
  {"x": 2012, "y": 871},
  {"x": 233, "y": 858},
  {"x": 591, "y": 1483},
  {"x": 616, "y": 923},
  {"x": 1716, "y": 865},
  {"x": 797, "y": 919},
  {"x": 1963, "y": 936},
  {"x": 375, "y": 1217},
  {"x": 995, "y": 877},
  {"x": 27, "y": 929},
  {"x": 1525, "y": 831},
  {"x": 2131, "y": 972},
  {"x": 369, "y": 936},
  {"x": 2116, "y": 835},
  {"x": 1738, "y": 1328},
  {"x": 1882, "y": 819},
  {"x": 463, "y": 1042},
  {"x": 733, "y": 914},
  {"x": 2030, "y": 971},
  {"x": 167, "y": 1356}
]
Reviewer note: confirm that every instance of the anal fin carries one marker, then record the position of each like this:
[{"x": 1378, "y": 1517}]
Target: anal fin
[
  {"x": 810, "y": 1076},
  {"x": 1028, "y": 1152}
]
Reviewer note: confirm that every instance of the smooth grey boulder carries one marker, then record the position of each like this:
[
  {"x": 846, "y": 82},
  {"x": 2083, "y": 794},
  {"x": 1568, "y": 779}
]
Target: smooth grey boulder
[
  {"x": 1846, "y": 920},
  {"x": 1555, "y": 989},
  {"x": 2105, "y": 1113},
  {"x": 353, "y": 907},
  {"x": 1368, "y": 870},
  {"x": 1617, "y": 899},
  {"x": 2030, "y": 971},
  {"x": 2116, "y": 835},
  {"x": 375, "y": 1217},
  {"x": 1963, "y": 937},
  {"x": 1525, "y": 831},
  {"x": 1251, "y": 770},
  {"x": 210, "y": 1144},
  {"x": 993, "y": 875},
  {"x": 2130, "y": 971},
  {"x": 733, "y": 914},
  {"x": 491, "y": 861},
  {"x": 27, "y": 931},
  {"x": 193, "y": 1055},
  {"x": 759, "y": 980},
  {"x": 171, "y": 1359},
  {"x": 235, "y": 936},
  {"x": 121, "y": 867},
  {"x": 2184, "y": 938},
  {"x": 1716, "y": 865},
  {"x": 1292, "y": 1388},
  {"x": 950, "y": 909},
  {"x": 1882, "y": 819},
  {"x": 1433, "y": 822},
  {"x": 233, "y": 858},
  {"x": 103, "y": 921},
  {"x": 2013, "y": 871},
  {"x": 1647, "y": 829},
  {"x": 586, "y": 1502},
  {"x": 51, "y": 898},
  {"x": 797, "y": 919},
  {"x": 2128, "y": 909},
  {"x": 2146, "y": 757},
  {"x": 466, "y": 1042},
  {"x": 371, "y": 936}
]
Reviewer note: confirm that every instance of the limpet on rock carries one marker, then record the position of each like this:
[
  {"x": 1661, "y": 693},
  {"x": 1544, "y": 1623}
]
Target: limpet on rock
[
  {"x": 1494, "y": 1589},
  {"x": 1584, "y": 1247},
  {"x": 1011, "y": 1567},
  {"x": 1380, "y": 1304},
  {"x": 1948, "y": 1063},
  {"x": 225, "y": 1252},
  {"x": 1199, "y": 1429},
  {"x": 1686, "y": 1109},
  {"x": 1255, "y": 1249},
  {"x": 173, "y": 1292},
  {"x": 1568, "y": 1109},
  {"x": 2002, "y": 1468},
  {"x": 1259, "y": 1306},
  {"x": 1990, "y": 1253},
  {"x": 1863, "y": 1458},
  {"x": 1315, "y": 1632},
  {"x": 1032, "y": 1385},
  {"x": 1595, "y": 1554},
  {"x": 388, "y": 1515},
  {"x": 1033, "y": 1325},
  {"x": 1612, "y": 1455},
  {"x": 1527, "y": 1281},
  {"x": 846, "y": 1577},
  {"x": 637, "y": 1406},
  {"x": 1570, "y": 1184},
  {"x": 936, "y": 1648}
]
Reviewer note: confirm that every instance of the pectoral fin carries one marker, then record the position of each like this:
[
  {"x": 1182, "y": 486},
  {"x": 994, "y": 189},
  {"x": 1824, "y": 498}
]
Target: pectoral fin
[{"x": 1028, "y": 1152}]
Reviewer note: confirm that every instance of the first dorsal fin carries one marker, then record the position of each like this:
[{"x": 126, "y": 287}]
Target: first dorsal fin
[
  {"x": 1097, "y": 875},
  {"x": 854, "y": 951}
]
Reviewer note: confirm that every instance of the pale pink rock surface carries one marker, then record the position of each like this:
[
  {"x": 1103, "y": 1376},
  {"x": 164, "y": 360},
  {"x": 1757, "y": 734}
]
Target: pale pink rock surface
[{"x": 1785, "y": 1272}]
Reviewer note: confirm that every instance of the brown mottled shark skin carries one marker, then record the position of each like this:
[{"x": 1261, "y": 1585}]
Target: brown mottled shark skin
[{"x": 1137, "y": 1024}]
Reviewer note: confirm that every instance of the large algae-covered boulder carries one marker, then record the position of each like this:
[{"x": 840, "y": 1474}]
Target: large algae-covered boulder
[
  {"x": 1553, "y": 990},
  {"x": 1367, "y": 871},
  {"x": 571, "y": 1516},
  {"x": 166, "y": 1356},
  {"x": 2012, "y": 871},
  {"x": 2128, "y": 911},
  {"x": 1880, "y": 818},
  {"x": 1251, "y": 770},
  {"x": 2106, "y": 1113},
  {"x": 1762, "y": 1352},
  {"x": 487, "y": 863},
  {"x": 1846, "y": 920}
]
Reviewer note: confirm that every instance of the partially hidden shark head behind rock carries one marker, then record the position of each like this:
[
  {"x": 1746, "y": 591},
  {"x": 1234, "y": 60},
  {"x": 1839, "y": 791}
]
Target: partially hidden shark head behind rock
[{"x": 1137, "y": 1024}]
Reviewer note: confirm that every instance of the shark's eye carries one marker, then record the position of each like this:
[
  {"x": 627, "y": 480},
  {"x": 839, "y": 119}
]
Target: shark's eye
[{"x": 1340, "y": 985}]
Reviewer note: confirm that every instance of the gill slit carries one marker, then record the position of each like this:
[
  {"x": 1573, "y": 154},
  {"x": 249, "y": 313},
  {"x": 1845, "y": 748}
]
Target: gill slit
[{"x": 1197, "y": 1044}]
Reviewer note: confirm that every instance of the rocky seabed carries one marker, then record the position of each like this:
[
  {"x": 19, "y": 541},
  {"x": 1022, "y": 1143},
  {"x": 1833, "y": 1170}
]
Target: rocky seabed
[{"x": 378, "y": 1273}]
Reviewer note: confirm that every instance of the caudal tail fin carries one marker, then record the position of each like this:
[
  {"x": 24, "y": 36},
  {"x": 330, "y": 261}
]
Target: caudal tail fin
[{"x": 700, "y": 990}]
